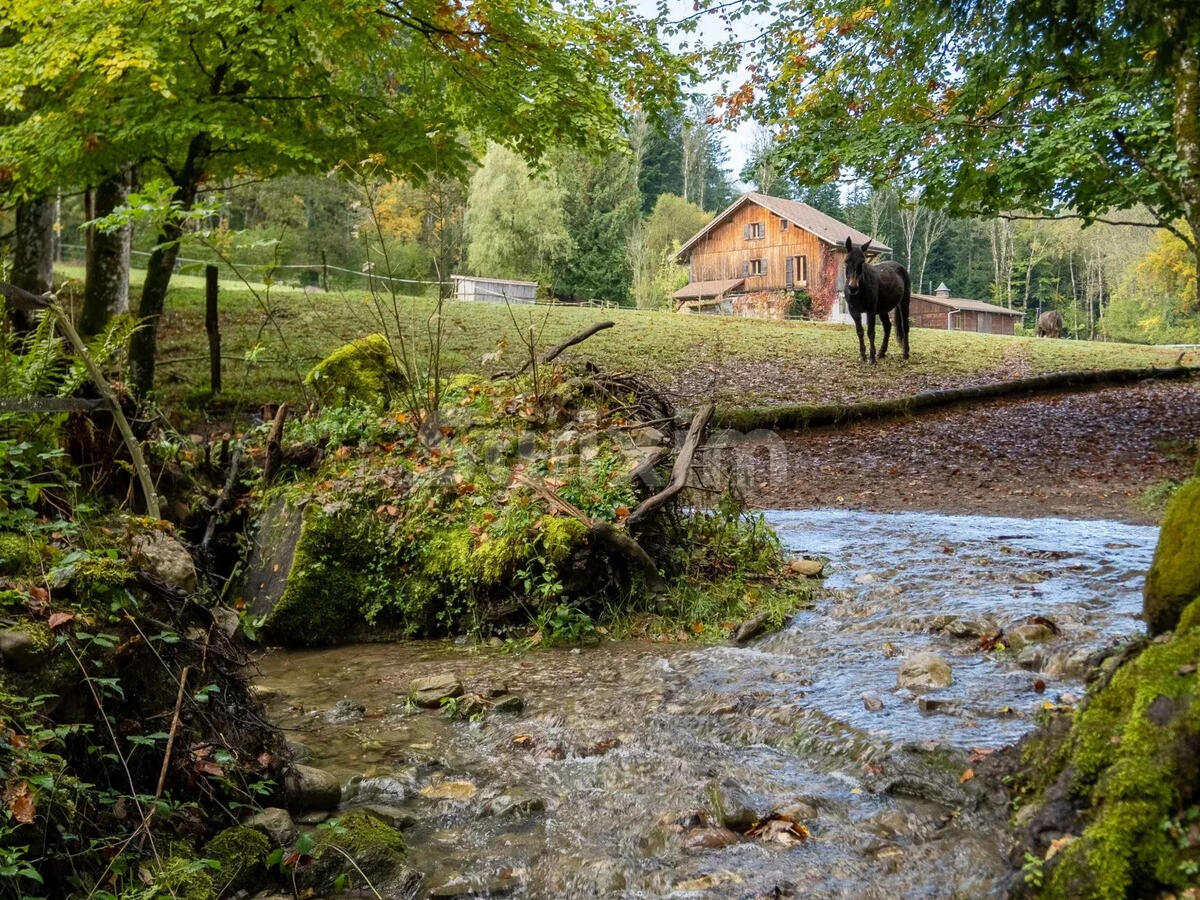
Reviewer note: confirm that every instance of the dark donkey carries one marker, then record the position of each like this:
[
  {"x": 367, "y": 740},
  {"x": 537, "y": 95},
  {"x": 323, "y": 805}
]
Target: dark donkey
[{"x": 876, "y": 290}]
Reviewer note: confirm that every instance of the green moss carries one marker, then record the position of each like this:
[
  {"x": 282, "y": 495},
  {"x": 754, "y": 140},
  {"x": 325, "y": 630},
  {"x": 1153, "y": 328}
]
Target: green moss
[
  {"x": 20, "y": 554},
  {"x": 1174, "y": 577},
  {"x": 363, "y": 370},
  {"x": 181, "y": 877},
  {"x": 1132, "y": 752},
  {"x": 376, "y": 848},
  {"x": 241, "y": 851},
  {"x": 1189, "y": 618},
  {"x": 97, "y": 577},
  {"x": 43, "y": 638}
]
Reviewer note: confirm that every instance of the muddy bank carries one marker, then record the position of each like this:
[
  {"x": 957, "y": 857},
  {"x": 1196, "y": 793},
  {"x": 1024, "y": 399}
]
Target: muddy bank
[{"x": 1077, "y": 455}]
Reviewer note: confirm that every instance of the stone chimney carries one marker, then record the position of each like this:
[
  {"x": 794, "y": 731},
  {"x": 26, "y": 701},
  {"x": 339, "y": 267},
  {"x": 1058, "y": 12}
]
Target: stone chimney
[{"x": 942, "y": 290}]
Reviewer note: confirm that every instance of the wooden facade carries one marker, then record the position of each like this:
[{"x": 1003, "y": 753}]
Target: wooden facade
[
  {"x": 960, "y": 314},
  {"x": 769, "y": 245}
]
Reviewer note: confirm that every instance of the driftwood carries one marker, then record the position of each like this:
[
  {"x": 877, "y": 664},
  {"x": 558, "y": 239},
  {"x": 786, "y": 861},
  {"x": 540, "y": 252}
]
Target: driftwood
[
  {"x": 679, "y": 472},
  {"x": 811, "y": 415},
  {"x": 274, "y": 436},
  {"x": 552, "y": 354}
]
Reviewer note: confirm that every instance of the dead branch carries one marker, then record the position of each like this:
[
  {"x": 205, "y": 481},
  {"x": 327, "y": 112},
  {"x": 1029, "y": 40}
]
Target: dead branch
[
  {"x": 644, "y": 471},
  {"x": 271, "y": 461},
  {"x": 553, "y": 352},
  {"x": 604, "y": 532},
  {"x": 162, "y": 774},
  {"x": 214, "y": 511},
  {"x": 679, "y": 472}
]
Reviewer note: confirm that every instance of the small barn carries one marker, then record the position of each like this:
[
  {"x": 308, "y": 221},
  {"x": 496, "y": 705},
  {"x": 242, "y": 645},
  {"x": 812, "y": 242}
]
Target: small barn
[
  {"x": 940, "y": 310},
  {"x": 493, "y": 290}
]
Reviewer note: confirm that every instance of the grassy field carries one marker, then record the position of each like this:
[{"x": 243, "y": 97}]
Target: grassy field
[{"x": 735, "y": 361}]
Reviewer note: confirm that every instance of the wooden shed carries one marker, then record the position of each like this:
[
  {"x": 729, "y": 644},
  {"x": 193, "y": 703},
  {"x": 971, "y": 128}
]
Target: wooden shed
[
  {"x": 940, "y": 310},
  {"x": 493, "y": 290},
  {"x": 765, "y": 244}
]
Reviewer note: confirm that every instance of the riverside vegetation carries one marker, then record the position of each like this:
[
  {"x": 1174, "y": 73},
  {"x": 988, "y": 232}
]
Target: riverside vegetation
[{"x": 137, "y": 761}]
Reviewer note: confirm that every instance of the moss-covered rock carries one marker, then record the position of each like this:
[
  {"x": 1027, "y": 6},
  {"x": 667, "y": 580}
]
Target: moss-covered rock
[
  {"x": 93, "y": 580},
  {"x": 377, "y": 852},
  {"x": 1128, "y": 768},
  {"x": 242, "y": 853},
  {"x": 1174, "y": 577},
  {"x": 20, "y": 554},
  {"x": 182, "y": 877},
  {"x": 364, "y": 370}
]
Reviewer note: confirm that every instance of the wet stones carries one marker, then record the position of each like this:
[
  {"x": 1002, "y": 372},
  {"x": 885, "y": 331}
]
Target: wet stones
[
  {"x": 345, "y": 712},
  {"x": 733, "y": 807},
  {"x": 430, "y": 691},
  {"x": 924, "y": 671},
  {"x": 165, "y": 559},
  {"x": 307, "y": 788},
  {"x": 750, "y": 629},
  {"x": 807, "y": 568},
  {"x": 708, "y": 837},
  {"x": 508, "y": 703},
  {"x": 1018, "y": 637},
  {"x": 872, "y": 703},
  {"x": 20, "y": 650},
  {"x": 276, "y": 824}
]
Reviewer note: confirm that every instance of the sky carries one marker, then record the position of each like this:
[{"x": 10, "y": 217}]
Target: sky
[{"x": 711, "y": 31}]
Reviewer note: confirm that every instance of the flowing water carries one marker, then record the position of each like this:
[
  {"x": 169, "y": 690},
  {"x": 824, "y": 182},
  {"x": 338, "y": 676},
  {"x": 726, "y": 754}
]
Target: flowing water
[{"x": 596, "y": 789}]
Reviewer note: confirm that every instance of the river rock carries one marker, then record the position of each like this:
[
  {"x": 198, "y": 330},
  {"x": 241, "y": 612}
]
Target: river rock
[
  {"x": 276, "y": 824},
  {"x": 227, "y": 620},
  {"x": 391, "y": 816},
  {"x": 1032, "y": 658},
  {"x": 385, "y": 790},
  {"x": 733, "y": 807},
  {"x": 648, "y": 436},
  {"x": 871, "y": 703},
  {"x": 1017, "y": 637},
  {"x": 165, "y": 558},
  {"x": 430, "y": 691},
  {"x": 969, "y": 628},
  {"x": 924, "y": 671},
  {"x": 749, "y": 629},
  {"x": 344, "y": 712},
  {"x": 19, "y": 650},
  {"x": 306, "y": 787},
  {"x": 808, "y": 568},
  {"x": 509, "y": 703},
  {"x": 708, "y": 838},
  {"x": 515, "y": 803}
]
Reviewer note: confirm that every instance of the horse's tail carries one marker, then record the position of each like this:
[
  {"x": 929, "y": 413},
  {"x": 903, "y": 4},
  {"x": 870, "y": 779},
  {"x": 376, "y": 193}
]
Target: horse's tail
[{"x": 902, "y": 307}]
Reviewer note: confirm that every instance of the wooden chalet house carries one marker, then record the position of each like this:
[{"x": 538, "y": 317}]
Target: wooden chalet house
[
  {"x": 940, "y": 310},
  {"x": 762, "y": 245}
]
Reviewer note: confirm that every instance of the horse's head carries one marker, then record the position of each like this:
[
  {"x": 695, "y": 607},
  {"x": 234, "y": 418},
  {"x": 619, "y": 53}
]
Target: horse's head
[{"x": 856, "y": 260}]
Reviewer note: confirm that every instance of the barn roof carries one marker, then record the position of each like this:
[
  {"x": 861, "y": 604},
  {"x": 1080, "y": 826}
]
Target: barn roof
[
  {"x": 953, "y": 303},
  {"x": 485, "y": 278},
  {"x": 812, "y": 220},
  {"x": 707, "y": 288}
]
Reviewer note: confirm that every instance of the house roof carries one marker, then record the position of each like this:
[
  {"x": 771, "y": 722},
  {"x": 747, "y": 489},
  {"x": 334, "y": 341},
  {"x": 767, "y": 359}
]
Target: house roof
[
  {"x": 954, "y": 303},
  {"x": 812, "y": 220},
  {"x": 707, "y": 288},
  {"x": 492, "y": 280}
]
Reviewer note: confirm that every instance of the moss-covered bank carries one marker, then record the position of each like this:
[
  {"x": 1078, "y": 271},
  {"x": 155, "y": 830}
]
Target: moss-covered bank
[{"x": 1112, "y": 797}]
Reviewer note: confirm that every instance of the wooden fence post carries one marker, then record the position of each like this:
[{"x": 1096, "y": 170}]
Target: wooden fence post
[
  {"x": 324, "y": 272},
  {"x": 212, "y": 326}
]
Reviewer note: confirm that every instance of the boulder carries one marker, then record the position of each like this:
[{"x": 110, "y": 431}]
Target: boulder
[
  {"x": 276, "y": 824},
  {"x": 21, "y": 649},
  {"x": 364, "y": 370},
  {"x": 648, "y": 436},
  {"x": 809, "y": 568},
  {"x": 924, "y": 671},
  {"x": 165, "y": 559},
  {"x": 508, "y": 703},
  {"x": 1174, "y": 577},
  {"x": 430, "y": 691},
  {"x": 733, "y": 807},
  {"x": 708, "y": 838},
  {"x": 306, "y": 788}
]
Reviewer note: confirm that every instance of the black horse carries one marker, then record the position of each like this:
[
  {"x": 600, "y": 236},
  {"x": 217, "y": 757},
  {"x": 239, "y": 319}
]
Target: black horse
[{"x": 876, "y": 290}]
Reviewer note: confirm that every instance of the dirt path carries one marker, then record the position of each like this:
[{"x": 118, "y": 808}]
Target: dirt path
[{"x": 1077, "y": 455}]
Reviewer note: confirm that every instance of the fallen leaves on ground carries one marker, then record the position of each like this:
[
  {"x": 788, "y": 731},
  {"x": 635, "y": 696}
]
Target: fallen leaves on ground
[{"x": 778, "y": 828}]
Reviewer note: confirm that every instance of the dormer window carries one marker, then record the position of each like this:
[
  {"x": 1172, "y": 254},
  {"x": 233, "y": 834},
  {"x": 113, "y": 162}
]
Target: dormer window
[{"x": 755, "y": 231}]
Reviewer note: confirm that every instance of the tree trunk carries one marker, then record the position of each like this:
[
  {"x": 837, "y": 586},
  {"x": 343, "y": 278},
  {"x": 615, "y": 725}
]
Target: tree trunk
[
  {"x": 33, "y": 254},
  {"x": 144, "y": 344},
  {"x": 106, "y": 286}
]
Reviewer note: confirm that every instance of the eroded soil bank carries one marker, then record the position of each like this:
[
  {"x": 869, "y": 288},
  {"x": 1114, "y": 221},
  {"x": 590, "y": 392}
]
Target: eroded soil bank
[{"x": 1084, "y": 455}]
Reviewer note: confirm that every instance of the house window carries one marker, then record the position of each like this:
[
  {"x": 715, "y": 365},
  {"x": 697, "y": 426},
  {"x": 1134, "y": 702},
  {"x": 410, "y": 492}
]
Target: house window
[
  {"x": 754, "y": 267},
  {"x": 755, "y": 231},
  {"x": 801, "y": 266},
  {"x": 783, "y": 224}
]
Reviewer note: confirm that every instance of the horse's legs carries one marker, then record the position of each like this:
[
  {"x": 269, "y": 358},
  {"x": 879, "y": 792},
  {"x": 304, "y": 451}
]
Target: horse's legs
[
  {"x": 887, "y": 333},
  {"x": 871, "y": 331},
  {"x": 862, "y": 348}
]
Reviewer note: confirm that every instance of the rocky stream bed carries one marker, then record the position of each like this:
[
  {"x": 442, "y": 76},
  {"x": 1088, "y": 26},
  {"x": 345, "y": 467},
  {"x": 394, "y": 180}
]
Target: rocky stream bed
[{"x": 794, "y": 765}]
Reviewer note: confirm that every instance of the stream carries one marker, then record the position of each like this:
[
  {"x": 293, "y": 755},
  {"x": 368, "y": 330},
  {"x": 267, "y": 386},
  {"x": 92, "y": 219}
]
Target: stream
[{"x": 601, "y": 785}]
